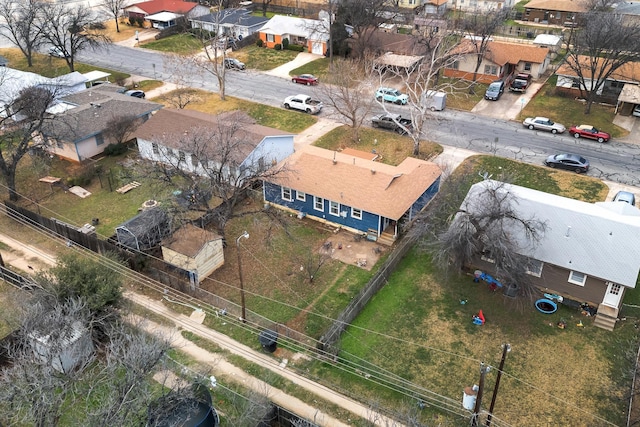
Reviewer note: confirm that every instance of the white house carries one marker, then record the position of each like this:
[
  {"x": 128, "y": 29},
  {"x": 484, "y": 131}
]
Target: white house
[
  {"x": 236, "y": 23},
  {"x": 201, "y": 143},
  {"x": 310, "y": 33}
]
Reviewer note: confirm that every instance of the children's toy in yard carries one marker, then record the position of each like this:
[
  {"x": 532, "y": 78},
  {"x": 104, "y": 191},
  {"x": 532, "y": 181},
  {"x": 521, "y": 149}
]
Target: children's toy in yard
[{"x": 478, "y": 319}]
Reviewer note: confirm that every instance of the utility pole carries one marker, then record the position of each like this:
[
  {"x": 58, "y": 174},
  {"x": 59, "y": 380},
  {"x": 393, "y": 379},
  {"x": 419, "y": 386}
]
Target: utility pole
[
  {"x": 506, "y": 348},
  {"x": 244, "y": 308},
  {"x": 476, "y": 410}
]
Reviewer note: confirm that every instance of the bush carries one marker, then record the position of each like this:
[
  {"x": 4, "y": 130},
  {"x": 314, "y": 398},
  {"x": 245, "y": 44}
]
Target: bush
[
  {"x": 115, "y": 149},
  {"x": 259, "y": 43},
  {"x": 285, "y": 43},
  {"x": 296, "y": 48},
  {"x": 277, "y": 46}
]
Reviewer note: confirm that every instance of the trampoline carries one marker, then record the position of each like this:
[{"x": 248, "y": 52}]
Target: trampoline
[{"x": 546, "y": 306}]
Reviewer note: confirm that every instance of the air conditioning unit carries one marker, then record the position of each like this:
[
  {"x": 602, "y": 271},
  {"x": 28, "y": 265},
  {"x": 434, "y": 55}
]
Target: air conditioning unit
[{"x": 343, "y": 214}]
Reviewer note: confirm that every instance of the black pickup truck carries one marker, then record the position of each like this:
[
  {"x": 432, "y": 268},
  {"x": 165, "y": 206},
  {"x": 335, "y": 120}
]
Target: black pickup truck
[
  {"x": 394, "y": 122},
  {"x": 520, "y": 83}
]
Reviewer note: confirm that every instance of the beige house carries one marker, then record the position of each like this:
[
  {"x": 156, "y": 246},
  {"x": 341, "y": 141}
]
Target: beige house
[
  {"x": 194, "y": 249},
  {"x": 500, "y": 61}
]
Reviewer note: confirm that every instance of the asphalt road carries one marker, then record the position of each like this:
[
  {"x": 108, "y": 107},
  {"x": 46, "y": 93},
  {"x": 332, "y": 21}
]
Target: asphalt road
[{"x": 615, "y": 161}]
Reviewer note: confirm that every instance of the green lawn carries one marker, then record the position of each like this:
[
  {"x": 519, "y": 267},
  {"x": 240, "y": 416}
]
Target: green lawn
[
  {"x": 262, "y": 58},
  {"x": 569, "y": 111},
  {"x": 49, "y": 66},
  {"x": 182, "y": 44},
  {"x": 391, "y": 147},
  {"x": 319, "y": 68}
]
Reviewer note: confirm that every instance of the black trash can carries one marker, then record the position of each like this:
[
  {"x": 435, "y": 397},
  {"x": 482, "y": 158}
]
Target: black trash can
[{"x": 268, "y": 340}]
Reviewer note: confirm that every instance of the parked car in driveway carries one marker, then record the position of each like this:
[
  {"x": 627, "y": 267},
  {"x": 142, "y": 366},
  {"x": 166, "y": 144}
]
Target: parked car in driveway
[
  {"x": 391, "y": 95},
  {"x": 588, "y": 131},
  {"x": 636, "y": 111},
  {"x": 305, "y": 79},
  {"x": 625, "y": 196},
  {"x": 495, "y": 90},
  {"x": 543, "y": 123},
  {"x": 394, "y": 122},
  {"x": 136, "y": 93},
  {"x": 520, "y": 83},
  {"x": 572, "y": 162},
  {"x": 234, "y": 64}
]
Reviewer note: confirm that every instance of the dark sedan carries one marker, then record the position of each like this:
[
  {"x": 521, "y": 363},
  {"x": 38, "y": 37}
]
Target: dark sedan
[
  {"x": 588, "y": 131},
  {"x": 305, "y": 79},
  {"x": 572, "y": 162}
]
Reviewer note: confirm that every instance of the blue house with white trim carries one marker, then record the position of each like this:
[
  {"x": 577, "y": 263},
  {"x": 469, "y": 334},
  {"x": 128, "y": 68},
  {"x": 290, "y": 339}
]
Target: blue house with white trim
[{"x": 351, "y": 191}]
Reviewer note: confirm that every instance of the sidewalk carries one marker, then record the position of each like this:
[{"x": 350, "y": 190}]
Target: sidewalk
[{"x": 284, "y": 70}]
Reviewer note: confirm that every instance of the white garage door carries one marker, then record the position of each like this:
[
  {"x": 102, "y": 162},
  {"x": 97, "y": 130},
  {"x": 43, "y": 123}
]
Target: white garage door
[{"x": 316, "y": 47}]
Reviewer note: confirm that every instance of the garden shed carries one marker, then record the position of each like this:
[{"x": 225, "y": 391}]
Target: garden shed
[
  {"x": 144, "y": 230},
  {"x": 194, "y": 249}
]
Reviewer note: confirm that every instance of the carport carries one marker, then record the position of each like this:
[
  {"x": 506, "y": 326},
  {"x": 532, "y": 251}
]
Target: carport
[
  {"x": 397, "y": 62},
  {"x": 628, "y": 98}
]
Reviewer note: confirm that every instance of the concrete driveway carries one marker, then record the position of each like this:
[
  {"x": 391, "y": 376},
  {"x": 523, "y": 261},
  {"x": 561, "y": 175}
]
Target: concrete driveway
[{"x": 509, "y": 105}]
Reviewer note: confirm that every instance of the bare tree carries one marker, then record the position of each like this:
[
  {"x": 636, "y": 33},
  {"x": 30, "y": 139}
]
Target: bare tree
[
  {"x": 422, "y": 81},
  {"x": 265, "y": 6},
  {"x": 215, "y": 45},
  {"x": 488, "y": 223},
  {"x": 33, "y": 389},
  {"x": 121, "y": 128},
  {"x": 22, "y": 118},
  {"x": 70, "y": 30},
  {"x": 478, "y": 27},
  {"x": 348, "y": 91},
  {"x": 210, "y": 161},
  {"x": 363, "y": 17},
  {"x": 18, "y": 25},
  {"x": 184, "y": 95},
  {"x": 599, "y": 50},
  {"x": 114, "y": 8}
]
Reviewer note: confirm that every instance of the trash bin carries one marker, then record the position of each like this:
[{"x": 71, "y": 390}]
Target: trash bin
[
  {"x": 268, "y": 340},
  {"x": 511, "y": 290}
]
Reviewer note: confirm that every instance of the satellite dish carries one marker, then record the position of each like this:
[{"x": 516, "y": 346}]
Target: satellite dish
[{"x": 240, "y": 37}]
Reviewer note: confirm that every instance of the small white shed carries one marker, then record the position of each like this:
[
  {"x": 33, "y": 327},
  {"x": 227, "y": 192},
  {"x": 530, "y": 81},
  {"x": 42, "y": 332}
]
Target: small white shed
[
  {"x": 194, "y": 249},
  {"x": 553, "y": 42}
]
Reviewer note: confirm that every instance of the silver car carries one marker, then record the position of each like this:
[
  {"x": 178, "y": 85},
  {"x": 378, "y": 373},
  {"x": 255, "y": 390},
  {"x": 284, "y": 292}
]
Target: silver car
[{"x": 543, "y": 123}]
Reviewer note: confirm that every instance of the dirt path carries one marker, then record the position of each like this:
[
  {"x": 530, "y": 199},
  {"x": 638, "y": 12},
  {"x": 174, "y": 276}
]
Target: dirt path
[{"x": 22, "y": 256}]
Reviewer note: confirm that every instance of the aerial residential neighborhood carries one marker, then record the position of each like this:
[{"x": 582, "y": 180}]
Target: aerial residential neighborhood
[{"x": 325, "y": 214}]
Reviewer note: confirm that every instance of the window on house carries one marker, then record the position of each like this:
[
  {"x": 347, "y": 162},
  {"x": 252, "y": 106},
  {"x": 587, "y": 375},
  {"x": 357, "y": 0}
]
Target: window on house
[
  {"x": 577, "y": 278},
  {"x": 527, "y": 12},
  {"x": 99, "y": 139},
  {"x": 301, "y": 195},
  {"x": 455, "y": 65},
  {"x": 286, "y": 194},
  {"x": 318, "y": 203},
  {"x": 527, "y": 66},
  {"x": 491, "y": 69},
  {"x": 334, "y": 208},
  {"x": 182, "y": 157},
  {"x": 575, "y": 83},
  {"x": 534, "y": 267},
  {"x": 154, "y": 148},
  {"x": 194, "y": 160},
  {"x": 356, "y": 213},
  {"x": 271, "y": 38}
]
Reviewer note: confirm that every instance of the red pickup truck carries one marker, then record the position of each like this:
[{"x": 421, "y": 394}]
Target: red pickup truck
[{"x": 520, "y": 83}]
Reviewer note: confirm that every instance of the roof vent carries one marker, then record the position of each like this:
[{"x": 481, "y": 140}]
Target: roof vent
[
  {"x": 567, "y": 234},
  {"x": 373, "y": 171},
  {"x": 334, "y": 158}
]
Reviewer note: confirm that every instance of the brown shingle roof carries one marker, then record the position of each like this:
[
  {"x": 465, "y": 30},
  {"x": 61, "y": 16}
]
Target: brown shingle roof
[
  {"x": 155, "y": 6},
  {"x": 189, "y": 240},
  {"x": 363, "y": 184},
  {"x": 629, "y": 72},
  {"x": 559, "y": 5},
  {"x": 171, "y": 128},
  {"x": 506, "y": 53}
]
